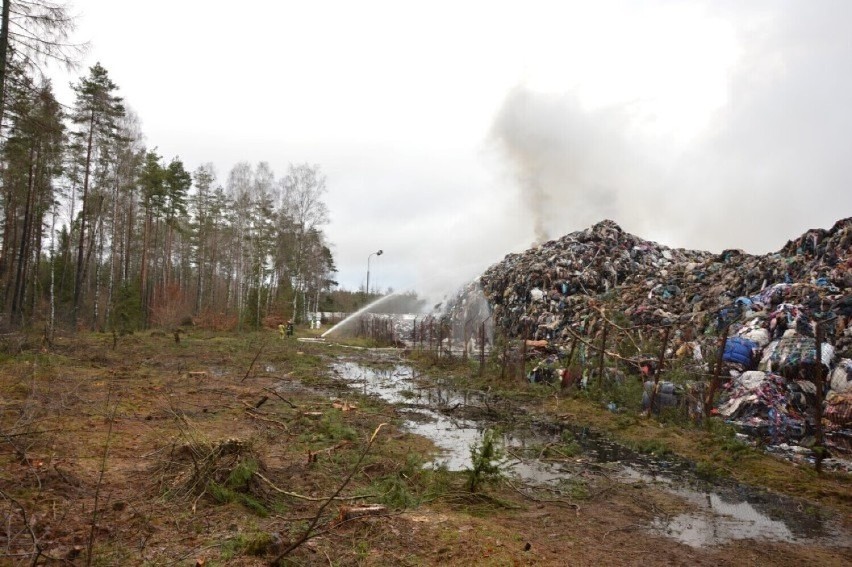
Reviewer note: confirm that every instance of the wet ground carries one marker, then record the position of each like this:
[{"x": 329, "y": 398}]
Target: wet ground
[{"x": 715, "y": 512}]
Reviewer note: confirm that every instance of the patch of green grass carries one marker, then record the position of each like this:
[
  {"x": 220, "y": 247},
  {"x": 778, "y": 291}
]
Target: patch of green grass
[
  {"x": 736, "y": 449},
  {"x": 626, "y": 421},
  {"x": 574, "y": 488},
  {"x": 396, "y": 493},
  {"x": 322, "y": 430},
  {"x": 236, "y": 488},
  {"x": 627, "y": 396},
  {"x": 256, "y": 543},
  {"x": 653, "y": 447},
  {"x": 570, "y": 448},
  {"x": 674, "y": 416},
  {"x": 221, "y": 494},
  {"x": 439, "y": 482},
  {"x": 333, "y": 428},
  {"x": 413, "y": 484},
  {"x": 254, "y": 505},
  {"x": 708, "y": 471},
  {"x": 719, "y": 429},
  {"x": 225, "y": 495},
  {"x": 566, "y": 447},
  {"x": 362, "y": 550}
]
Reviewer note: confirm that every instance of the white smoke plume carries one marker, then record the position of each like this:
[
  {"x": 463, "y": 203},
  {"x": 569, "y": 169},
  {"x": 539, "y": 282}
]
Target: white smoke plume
[
  {"x": 771, "y": 162},
  {"x": 573, "y": 166}
]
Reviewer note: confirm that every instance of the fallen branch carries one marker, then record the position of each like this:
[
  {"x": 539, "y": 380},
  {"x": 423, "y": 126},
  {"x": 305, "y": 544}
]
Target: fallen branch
[
  {"x": 253, "y": 360},
  {"x": 545, "y": 500},
  {"x": 37, "y": 551},
  {"x": 353, "y": 512},
  {"x": 68, "y": 481},
  {"x": 596, "y": 348},
  {"x": 280, "y": 397},
  {"x": 293, "y": 518},
  {"x": 624, "y": 330},
  {"x": 37, "y": 432},
  {"x": 516, "y": 457},
  {"x": 307, "y": 534},
  {"x": 309, "y": 498},
  {"x": 550, "y": 448},
  {"x": 546, "y": 448},
  {"x": 602, "y": 491},
  {"x": 622, "y": 529},
  {"x": 91, "y": 542},
  {"x": 338, "y": 524},
  {"x": 312, "y": 455},
  {"x": 20, "y": 453},
  {"x": 253, "y": 414}
]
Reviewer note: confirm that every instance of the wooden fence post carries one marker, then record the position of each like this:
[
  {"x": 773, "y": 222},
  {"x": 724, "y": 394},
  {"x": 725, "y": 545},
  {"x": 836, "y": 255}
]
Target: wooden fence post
[
  {"x": 658, "y": 369},
  {"x": 601, "y": 356},
  {"x": 504, "y": 358},
  {"x": 571, "y": 352},
  {"x": 714, "y": 383},
  {"x": 522, "y": 363},
  {"x": 482, "y": 349},
  {"x": 819, "y": 434}
]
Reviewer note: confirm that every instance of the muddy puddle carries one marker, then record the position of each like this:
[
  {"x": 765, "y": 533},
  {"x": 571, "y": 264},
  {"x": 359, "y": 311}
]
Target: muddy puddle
[{"x": 716, "y": 512}]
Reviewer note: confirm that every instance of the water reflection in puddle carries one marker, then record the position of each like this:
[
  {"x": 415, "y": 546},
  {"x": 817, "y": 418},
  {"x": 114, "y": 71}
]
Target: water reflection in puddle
[
  {"x": 718, "y": 521},
  {"x": 721, "y": 514},
  {"x": 452, "y": 436}
]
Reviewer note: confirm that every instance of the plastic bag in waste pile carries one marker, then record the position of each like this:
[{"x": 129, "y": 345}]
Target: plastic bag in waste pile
[{"x": 668, "y": 395}]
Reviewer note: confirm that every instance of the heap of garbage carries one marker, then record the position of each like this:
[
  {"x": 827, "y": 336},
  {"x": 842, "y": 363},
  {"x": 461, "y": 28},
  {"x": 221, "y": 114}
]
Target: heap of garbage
[{"x": 768, "y": 305}]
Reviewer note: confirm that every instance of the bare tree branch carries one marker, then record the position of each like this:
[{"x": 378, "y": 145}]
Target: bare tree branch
[{"x": 307, "y": 534}]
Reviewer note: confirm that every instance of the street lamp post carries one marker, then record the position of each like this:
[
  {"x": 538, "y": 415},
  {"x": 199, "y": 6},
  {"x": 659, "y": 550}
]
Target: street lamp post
[{"x": 377, "y": 253}]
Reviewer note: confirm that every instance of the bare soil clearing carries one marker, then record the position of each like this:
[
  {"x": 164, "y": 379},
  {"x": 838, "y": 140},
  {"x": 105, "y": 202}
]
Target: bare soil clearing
[{"x": 224, "y": 449}]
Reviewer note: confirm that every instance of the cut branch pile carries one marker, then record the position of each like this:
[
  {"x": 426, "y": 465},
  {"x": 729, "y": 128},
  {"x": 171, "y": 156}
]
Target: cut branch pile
[{"x": 219, "y": 468}]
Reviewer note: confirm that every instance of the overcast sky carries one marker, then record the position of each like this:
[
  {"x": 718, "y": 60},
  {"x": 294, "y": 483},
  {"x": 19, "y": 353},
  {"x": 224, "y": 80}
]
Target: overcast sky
[{"x": 453, "y": 133}]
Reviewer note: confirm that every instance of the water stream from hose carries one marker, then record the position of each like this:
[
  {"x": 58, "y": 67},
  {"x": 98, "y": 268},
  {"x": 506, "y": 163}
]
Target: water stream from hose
[{"x": 353, "y": 317}]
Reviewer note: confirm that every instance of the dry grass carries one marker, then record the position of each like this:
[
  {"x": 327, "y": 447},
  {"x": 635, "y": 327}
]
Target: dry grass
[{"x": 187, "y": 468}]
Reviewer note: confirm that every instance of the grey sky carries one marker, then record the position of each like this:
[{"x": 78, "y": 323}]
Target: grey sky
[{"x": 453, "y": 133}]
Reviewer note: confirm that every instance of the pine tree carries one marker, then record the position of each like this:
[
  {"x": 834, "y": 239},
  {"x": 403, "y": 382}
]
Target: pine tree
[
  {"x": 32, "y": 157},
  {"x": 96, "y": 113}
]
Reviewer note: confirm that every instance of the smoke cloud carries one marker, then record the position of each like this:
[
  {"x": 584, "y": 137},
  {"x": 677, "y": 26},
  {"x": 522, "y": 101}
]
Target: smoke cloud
[
  {"x": 769, "y": 164},
  {"x": 574, "y": 167}
]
